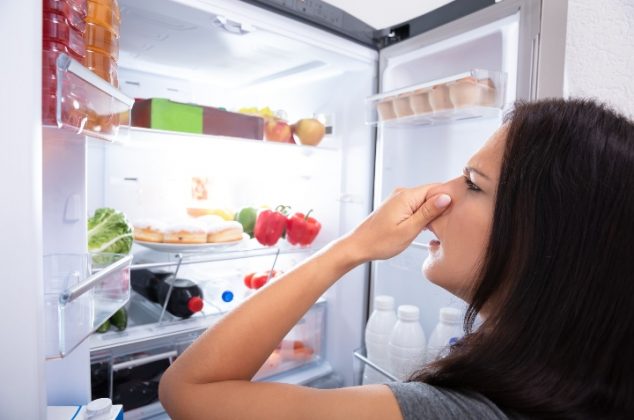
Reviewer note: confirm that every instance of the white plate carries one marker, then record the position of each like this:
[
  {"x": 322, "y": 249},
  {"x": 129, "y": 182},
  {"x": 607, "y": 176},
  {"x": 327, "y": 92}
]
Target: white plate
[{"x": 207, "y": 247}]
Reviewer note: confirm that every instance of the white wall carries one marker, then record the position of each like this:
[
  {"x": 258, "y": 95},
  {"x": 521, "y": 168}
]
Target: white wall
[{"x": 600, "y": 51}]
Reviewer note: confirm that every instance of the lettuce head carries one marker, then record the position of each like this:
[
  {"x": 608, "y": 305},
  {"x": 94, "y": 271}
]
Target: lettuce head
[{"x": 109, "y": 231}]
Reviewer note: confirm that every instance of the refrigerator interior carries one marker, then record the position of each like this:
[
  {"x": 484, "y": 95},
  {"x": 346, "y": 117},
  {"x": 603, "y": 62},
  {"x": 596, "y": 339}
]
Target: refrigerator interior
[
  {"x": 410, "y": 155},
  {"x": 197, "y": 52}
]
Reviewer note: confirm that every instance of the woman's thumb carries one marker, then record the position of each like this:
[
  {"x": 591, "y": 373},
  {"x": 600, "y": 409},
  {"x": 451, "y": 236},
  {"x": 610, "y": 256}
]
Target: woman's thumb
[{"x": 431, "y": 209}]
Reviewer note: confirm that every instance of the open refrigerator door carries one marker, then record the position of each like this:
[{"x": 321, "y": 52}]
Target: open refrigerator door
[{"x": 443, "y": 93}]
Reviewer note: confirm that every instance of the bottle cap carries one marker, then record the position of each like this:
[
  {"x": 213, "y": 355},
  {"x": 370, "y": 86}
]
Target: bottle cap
[
  {"x": 450, "y": 315},
  {"x": 195, "y": 304},
  {"x": 98, "y": 407},
  {"x": 384, "y": 302},
  {"x": 227, "y": 296},
  {"x": 408, "y": 312}
]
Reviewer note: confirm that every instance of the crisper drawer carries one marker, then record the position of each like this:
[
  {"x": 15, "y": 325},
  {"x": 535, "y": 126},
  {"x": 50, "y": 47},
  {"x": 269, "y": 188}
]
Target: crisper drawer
[
  {"x": 302, "y": 346},
  {"x": 81, "y": 291}
]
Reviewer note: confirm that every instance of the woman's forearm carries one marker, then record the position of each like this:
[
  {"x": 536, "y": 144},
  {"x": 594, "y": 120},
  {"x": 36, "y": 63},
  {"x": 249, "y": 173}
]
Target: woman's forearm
[{"x": 237, "y": 346}]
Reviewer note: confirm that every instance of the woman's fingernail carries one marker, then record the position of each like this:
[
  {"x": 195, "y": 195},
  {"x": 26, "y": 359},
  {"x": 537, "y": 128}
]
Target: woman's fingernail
[{"x": 442, "y": 201}]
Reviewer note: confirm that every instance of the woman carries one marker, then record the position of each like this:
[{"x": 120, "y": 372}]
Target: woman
[{"x": 535, "y": 235}]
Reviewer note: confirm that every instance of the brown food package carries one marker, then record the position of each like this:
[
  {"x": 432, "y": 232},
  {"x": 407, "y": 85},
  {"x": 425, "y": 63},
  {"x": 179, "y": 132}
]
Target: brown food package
[{"x": 224, "y": 123}]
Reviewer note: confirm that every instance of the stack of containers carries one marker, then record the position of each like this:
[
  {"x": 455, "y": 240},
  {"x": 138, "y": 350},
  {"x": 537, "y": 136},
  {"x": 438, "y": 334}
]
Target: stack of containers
[
  {"x": 102, "y": 52},
  {"x": 63, "y": 30},
  {"x": 102, "y": 39}
]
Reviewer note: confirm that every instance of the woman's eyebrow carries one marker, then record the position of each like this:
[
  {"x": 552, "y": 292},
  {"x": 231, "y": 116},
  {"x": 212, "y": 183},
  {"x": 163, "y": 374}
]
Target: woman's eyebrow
[{"x": 469, "y": 169}]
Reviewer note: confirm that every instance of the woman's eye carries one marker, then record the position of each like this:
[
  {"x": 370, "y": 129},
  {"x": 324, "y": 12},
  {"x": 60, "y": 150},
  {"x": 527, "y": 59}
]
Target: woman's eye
[{"x": 470, "y": 185}]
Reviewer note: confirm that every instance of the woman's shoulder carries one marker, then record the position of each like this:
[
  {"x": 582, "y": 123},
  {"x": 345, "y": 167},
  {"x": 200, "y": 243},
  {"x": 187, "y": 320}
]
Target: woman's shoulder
[{"x": 418, "y": 401}]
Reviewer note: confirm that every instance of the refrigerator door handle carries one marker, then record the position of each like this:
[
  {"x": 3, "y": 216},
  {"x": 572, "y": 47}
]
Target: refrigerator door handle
[
  {"x": 534, "y": 66},
  {"x": 145, "y": 360}
]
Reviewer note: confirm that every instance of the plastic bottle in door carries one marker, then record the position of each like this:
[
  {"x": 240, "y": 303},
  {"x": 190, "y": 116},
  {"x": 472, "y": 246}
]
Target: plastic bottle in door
[
  {"x": 447, "y": 331},
  {"x": 377, "y": 335},
  {"x": 406, "y": 346}
]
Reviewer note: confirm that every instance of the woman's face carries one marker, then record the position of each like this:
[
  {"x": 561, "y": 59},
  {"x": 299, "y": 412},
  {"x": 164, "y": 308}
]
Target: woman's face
[{"x": 463, "y": 229}]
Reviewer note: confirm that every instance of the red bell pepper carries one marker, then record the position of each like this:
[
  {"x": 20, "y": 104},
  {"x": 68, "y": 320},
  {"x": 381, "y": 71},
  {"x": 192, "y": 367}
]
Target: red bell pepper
[
  {"x": 302, "y": 229},
  {"x": 270, "y": 225}
]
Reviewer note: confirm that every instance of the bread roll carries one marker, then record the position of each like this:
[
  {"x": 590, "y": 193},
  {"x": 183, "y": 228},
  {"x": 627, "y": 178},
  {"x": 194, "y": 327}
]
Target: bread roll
[
  {"x": 185, "y": 233},
  {"x": 227, "y": 231},
  {"x": 149, "y": 230}
]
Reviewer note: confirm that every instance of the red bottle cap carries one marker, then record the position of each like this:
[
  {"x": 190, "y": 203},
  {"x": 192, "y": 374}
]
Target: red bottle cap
[{"x": 195, "y": 304}]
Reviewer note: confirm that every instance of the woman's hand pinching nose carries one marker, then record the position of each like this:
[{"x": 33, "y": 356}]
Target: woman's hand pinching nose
[{"x": 395, "y": 224}]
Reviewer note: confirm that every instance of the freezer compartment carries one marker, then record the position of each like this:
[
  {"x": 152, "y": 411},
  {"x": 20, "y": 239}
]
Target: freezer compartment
[
  {"x": 373, "y": 373},
  {"x": 81, "y": 291},
  {"x": 478, "y": 93},
  {"x": 76, "y": 99}
]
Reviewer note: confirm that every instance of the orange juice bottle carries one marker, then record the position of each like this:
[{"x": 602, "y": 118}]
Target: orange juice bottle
[{"x": 101, "y": 37}]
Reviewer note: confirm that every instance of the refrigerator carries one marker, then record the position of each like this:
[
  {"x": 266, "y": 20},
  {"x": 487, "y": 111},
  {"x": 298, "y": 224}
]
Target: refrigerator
[{"x": 307, "y": 58}]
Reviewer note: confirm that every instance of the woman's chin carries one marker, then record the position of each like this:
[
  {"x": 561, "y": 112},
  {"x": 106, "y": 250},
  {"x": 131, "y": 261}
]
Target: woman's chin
[{"x": 431, "y": 268}]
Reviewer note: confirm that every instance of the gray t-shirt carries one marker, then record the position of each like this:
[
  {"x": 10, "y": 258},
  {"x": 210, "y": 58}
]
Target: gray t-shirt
[{"x": 420, "y": 401}]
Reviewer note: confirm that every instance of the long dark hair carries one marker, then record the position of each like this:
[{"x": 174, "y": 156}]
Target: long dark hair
[{"x": 558, "y": 273}]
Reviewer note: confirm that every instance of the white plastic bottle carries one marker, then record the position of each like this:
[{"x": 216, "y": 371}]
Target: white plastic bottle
[
  {"x": 377, "y": 335},
  {"x": 447, "y": 331},
  {"x": 406, "y": 347}
]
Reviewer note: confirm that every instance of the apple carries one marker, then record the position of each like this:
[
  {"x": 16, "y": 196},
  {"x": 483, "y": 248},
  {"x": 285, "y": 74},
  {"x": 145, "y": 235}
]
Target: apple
[
  {"x": 309, "y": 131},
  {"x": 277, "y": 130}
]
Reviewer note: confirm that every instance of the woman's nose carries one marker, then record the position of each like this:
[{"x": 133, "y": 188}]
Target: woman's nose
[{"x": 448, "y": 187}]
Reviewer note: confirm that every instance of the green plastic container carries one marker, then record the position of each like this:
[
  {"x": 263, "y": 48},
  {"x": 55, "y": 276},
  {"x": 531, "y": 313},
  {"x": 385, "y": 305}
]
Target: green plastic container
[{"x": 163, "y": 114}]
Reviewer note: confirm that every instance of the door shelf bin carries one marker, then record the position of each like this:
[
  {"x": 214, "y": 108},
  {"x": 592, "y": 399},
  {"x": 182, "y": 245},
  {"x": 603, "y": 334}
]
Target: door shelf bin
[
  {"x": 474, "y": 94},
  {"x": 81, "y": 291},
  {"x": 374, "y": 373},
  {"x": 303, "y": 345},
  {"x": 76, "y": 99}
]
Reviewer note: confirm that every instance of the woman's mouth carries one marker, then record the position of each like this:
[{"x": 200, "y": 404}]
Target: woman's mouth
[{"x": 434, "y": 243}]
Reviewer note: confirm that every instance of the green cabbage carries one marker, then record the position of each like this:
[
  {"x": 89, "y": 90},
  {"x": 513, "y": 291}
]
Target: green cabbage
[{"x": 109, "y": 231}]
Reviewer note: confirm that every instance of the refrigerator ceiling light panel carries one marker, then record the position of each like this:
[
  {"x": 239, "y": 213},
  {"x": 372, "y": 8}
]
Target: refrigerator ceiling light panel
[{"x": 384, "y": 14}]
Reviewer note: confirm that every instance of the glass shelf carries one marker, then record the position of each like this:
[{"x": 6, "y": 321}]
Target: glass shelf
[
  {"x": 246, "y": 251},
  {"x": 76, "y": 99},
  {"x": 475, "y": 94},
  {"x": 135, "y": 135},
  {"x": 81, "y": 292}
]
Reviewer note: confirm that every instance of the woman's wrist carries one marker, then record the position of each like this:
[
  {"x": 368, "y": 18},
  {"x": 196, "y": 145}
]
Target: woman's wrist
[{"x": 346, "y": 254}]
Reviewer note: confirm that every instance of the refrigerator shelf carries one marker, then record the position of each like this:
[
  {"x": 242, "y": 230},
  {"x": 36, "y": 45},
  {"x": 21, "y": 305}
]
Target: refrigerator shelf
[
  {"x": 225, "y": 255},
  {"x": 76, "y": 99},
  {"x": 81, "y": 291},
  {"x": 475, "y": 94},
  {"x": 144, "y": 325},
  {"x": 140, "y": 134}
]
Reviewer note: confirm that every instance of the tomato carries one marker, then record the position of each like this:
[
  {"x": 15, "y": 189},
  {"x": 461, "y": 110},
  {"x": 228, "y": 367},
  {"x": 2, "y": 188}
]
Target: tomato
[
  {"x": 258, "y": 279},
  {"x": 248, "y": 280}
]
